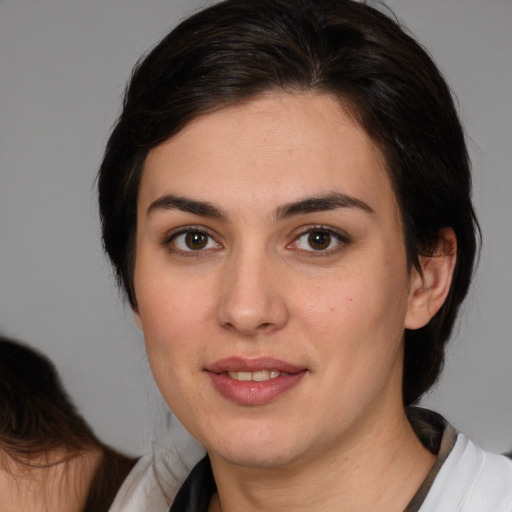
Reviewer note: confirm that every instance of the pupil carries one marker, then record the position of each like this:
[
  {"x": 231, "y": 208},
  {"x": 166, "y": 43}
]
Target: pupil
[
  {"x": 319, "y": 240},
  {"x": 196, "y": 241}
]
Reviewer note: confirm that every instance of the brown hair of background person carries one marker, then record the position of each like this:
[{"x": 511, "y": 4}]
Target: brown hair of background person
[
  {"x": 345, "y": 48},
  {"x": 48, "y": 453}
]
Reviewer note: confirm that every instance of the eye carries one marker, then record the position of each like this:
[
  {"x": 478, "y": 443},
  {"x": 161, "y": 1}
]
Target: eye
[
  {"x": 192, "y": 240},
  {"x": 319, "y": 240}
]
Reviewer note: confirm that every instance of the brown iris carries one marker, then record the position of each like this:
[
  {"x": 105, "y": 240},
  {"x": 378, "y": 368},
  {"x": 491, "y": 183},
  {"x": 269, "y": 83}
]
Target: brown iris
[
  {"x": 196, "y": 240},
  {"x": 319, "y": 240}
]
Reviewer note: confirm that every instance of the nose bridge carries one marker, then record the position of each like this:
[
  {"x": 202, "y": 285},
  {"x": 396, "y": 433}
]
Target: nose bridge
[{"x": 251, "y": 301}]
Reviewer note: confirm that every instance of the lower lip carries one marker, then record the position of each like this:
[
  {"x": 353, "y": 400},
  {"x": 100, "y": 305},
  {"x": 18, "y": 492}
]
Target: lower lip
[{"x": 252, "y": 392}]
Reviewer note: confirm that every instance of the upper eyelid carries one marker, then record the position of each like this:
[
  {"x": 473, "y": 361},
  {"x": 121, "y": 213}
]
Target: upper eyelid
[
  {"x": 186, "y": 229},
  {"x": 171, "y": 234},
  {"x": 167, "y": 241},
  {"x": 342, "y": 234},
  {"x": 343, "y": 240}
]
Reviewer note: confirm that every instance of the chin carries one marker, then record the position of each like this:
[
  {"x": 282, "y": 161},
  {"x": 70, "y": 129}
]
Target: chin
[
  {"x": 263, "y": 449},
  {"x": 257, "y": 458}
]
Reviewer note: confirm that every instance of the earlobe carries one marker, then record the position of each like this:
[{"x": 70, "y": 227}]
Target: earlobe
[{"x": 430, "y": 287}]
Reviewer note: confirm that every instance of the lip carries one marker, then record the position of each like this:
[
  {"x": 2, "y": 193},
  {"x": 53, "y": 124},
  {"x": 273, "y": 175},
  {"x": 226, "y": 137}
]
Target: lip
[
  {"x": 240, "y": 364},
  {"x": 252, "y": 392}
]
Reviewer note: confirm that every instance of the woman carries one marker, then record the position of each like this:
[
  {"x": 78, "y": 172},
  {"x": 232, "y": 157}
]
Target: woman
[{"x": 286, "y": 200}]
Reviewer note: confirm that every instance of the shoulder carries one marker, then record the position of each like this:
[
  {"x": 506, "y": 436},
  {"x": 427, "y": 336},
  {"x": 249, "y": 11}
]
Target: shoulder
[
  {"x": 154, "y": 481},
  {"x": 471, "y": 480},
  {"x": 140, "y": 490}
]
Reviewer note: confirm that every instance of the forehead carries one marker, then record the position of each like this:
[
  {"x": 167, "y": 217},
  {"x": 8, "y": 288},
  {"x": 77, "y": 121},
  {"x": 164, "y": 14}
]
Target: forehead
[{"x": 267, "y": 151}]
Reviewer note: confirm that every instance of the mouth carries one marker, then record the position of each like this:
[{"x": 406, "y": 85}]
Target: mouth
[
  {"x": 254, "y": 381},
  {"x": 258, "y": 376},
  {"x": 261, "y": 367}
]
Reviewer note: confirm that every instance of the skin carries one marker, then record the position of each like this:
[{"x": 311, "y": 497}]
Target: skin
[{"x": 339, "y": 439}]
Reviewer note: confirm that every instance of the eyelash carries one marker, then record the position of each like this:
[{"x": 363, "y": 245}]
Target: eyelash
[
  {"x": 341, "y": 239},
  {"x": 170, "y": 239}
]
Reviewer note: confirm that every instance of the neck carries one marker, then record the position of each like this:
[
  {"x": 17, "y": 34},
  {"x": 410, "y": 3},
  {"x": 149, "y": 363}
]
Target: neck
[
  {"x": 50, "y": 484},
  {"x": 378, "y": 470}
]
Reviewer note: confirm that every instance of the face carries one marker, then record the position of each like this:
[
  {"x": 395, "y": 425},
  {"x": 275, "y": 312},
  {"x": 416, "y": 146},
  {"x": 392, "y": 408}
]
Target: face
[{"x": 271, "y": 279}]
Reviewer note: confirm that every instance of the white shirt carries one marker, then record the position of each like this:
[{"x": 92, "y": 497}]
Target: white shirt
[{"x": 471, "y": 480}]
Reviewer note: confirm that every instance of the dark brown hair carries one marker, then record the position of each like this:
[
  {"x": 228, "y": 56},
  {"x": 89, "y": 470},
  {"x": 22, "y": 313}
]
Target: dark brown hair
[
  {"x": 240, "y": 48},
  {"x": 37, "y": 418}
]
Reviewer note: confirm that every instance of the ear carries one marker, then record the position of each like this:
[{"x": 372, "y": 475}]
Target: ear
[{"x": 429, "y": 288}]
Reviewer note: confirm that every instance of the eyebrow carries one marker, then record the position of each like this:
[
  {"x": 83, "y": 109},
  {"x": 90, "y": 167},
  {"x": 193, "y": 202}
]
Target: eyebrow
[
  {"x": 172, "y": 202},
  {"x": 322, "y": 203}
]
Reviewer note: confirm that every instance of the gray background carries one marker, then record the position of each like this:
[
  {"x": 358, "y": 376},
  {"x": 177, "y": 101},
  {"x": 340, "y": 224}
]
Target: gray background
[{"x": 63, "y": 66}]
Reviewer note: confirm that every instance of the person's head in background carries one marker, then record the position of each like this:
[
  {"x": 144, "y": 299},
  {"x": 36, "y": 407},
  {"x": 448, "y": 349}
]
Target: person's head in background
[
  {"x": 49, "y": 456},
  {"x": 289, "y": 180}
]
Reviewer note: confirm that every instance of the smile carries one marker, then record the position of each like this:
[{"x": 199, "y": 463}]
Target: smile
[
  {"x": 254, "y": 382},
  {"x": 258, "y": 376}
]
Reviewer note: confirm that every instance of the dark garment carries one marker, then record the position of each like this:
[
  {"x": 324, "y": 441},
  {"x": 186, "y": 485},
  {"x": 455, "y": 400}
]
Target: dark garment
[
  {"x": 437, "y": 436},
  {"x": 197, "y": 490},
  {"x": 432, "y": 429}
]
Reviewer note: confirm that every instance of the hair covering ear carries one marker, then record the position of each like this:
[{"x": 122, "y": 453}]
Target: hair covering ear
[{"x": 430, "y": 285}]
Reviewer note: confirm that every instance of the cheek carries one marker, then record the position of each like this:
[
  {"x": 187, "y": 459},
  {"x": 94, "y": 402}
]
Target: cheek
[
  {"x": 172, "y": 316},
  {"x": 355, "y": 310},
  {"x": 172, "y": 310},
  {"x": 172, "y": 319}
]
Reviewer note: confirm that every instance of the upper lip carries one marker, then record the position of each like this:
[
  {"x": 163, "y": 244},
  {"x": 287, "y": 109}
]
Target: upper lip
[{"x": 240, "y": 364}]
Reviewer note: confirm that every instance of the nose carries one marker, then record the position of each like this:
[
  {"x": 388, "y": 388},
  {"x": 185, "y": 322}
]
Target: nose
[{"x": 252, "y": 301}]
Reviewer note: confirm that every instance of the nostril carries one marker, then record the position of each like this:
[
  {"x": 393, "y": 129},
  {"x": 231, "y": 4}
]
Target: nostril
[{"x": 251, "y": 312}]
